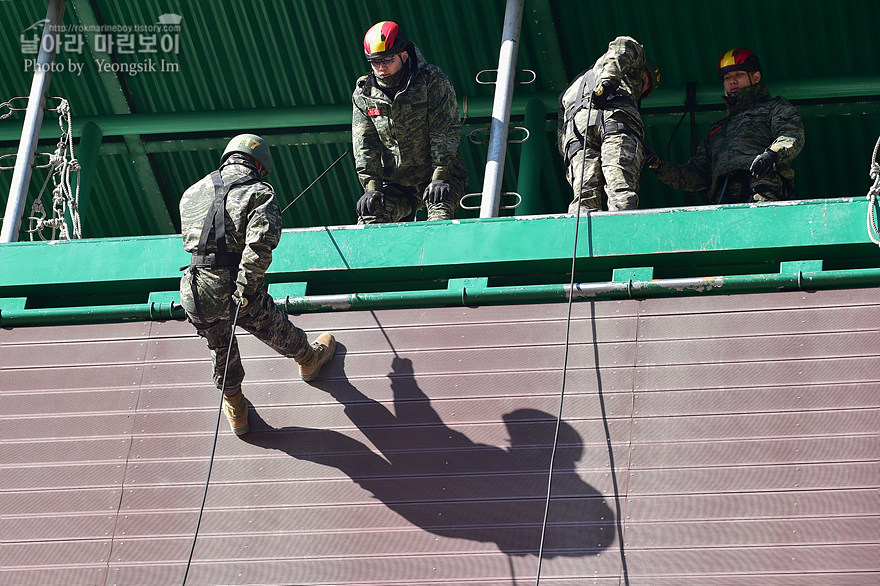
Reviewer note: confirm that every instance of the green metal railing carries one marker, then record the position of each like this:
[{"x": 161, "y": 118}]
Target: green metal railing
[{"x": 802, "y": 245}]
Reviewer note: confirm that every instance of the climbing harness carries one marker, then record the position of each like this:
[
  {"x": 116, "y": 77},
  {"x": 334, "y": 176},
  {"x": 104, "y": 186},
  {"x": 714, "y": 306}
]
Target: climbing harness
[
  {"x": 588, "y": 79},
  {"x": 605, "y": 126},
  {"x": 214, "y": 445},
  {"x": 65, "y": 201},
  {"x": 215, "y": 222},
  {"x": 333, "y": 164},
  {"x": 873, "y": 192}
]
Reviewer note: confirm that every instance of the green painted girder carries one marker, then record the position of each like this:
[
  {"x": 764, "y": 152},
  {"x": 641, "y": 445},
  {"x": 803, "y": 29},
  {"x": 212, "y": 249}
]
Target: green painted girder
[
  {"x": 819, "y": 91},
  {"x": 513, "y": 251}
]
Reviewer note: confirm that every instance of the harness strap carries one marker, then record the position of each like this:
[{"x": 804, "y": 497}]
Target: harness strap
[
  {"x": 215, "y": 221},
  {"x": 588, "y": 80}
]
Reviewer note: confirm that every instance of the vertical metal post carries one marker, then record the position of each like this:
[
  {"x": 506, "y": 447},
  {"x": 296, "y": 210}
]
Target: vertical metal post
[
  {"x": 491, "y": 198},
  {"x": 33, "y": 121},
  {"x": 530, "y": 160},
  {"x": 90, "y": 138}
]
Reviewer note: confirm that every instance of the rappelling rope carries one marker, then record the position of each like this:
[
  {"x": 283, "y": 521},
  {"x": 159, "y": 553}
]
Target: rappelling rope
[
  {"x": 579, "y": 187},
  {"x": 873, "y": 192},
  {"x": 333, "y": 164},
  {"x": 214, "y": 446}
]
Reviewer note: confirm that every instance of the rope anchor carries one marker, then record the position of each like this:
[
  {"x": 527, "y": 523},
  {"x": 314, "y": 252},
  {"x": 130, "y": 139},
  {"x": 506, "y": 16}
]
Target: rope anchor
[{"x": 61, "y": 163}]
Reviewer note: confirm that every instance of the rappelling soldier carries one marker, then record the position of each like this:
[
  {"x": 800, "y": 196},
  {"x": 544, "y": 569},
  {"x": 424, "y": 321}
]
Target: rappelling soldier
[
  {"x": 746, "y": 157},
  {"x": 230, "y": 221},
  {"x": 599, "y": 129},
  {"x": 406, "y": 130}
]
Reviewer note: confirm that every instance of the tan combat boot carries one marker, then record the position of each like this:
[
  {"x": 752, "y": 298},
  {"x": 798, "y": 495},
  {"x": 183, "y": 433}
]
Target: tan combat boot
[
  {"x": 236, "y": 410},
  {"x": 317, "y": 355}
]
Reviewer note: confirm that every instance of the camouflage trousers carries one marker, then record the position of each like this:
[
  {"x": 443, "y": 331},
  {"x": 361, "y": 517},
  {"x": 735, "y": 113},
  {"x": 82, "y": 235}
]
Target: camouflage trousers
[
  {"x": 262, "y": 318},
  {"x": 606, "y": 177},
  {"x": 402, "y": 203}
]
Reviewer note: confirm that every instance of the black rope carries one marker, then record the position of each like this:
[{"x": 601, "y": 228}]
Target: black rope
[
  {"x": 577, "y": 222},
  {"x": 333, "y": 164},
  {"x": 214, "y": 447}
]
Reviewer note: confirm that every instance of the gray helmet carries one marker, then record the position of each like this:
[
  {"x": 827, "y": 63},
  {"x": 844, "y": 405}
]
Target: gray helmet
[{"x": 251, "y": 145}]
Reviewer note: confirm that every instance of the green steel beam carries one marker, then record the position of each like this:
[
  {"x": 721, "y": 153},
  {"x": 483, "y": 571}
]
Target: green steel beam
[
  {"x": 540, "y": 14},
  {"x": 87, "y": 154},
  {"x": 151, "y": 193},
  {"x": 530, "y": 158},
  {"x": 828, "y": 91}
]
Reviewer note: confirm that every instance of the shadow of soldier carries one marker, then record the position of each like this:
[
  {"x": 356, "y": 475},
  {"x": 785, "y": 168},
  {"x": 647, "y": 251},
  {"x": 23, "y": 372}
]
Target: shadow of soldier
[{"x": 441, "y": 481}]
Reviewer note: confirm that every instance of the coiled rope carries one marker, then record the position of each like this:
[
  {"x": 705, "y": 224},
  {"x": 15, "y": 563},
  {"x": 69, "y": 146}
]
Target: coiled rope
[{"x": 873, "y": 192}]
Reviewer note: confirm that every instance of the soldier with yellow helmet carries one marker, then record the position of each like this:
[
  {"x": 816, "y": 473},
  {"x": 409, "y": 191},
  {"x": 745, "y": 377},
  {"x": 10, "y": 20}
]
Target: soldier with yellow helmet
[
  {"x": 746, "y": 157},
  {"x": 230, "y": 221}
]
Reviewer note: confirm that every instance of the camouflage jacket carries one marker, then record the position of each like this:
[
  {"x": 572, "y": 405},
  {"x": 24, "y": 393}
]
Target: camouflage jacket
[
  {"x": 411, "y": 139},
  {"x": 623, "y": 64},
  {"x": 755, "y": 121},
  {"x": 253, "y": 229}
]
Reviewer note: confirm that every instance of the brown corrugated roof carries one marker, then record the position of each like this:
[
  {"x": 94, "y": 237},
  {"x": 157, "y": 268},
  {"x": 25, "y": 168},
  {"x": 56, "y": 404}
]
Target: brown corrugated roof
[{"x": 743, "y": 431}]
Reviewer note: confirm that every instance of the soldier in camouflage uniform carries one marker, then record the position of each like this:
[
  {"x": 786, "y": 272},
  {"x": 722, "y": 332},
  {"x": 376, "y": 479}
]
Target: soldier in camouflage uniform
[
  {"x": 600, "y": 130},
  {"x": 747, "y": 156},
  {"x": 230, "y": 222},
  {"x": 406, "y": 129}
]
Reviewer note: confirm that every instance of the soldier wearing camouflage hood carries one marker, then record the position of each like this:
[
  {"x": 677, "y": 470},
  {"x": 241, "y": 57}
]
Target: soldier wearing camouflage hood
[
  {"x": 600, "y": 130},
  {"x": 230, "y": 222},
  {"x": 406, "y": 129},
  {"x": 747, "y": 156}
]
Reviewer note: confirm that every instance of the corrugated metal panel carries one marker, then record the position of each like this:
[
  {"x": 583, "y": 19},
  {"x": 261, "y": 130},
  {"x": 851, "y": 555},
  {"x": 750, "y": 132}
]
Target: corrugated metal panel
[
  {"x": 302, "y": 53},
  {"x": 742, "y": 431}
]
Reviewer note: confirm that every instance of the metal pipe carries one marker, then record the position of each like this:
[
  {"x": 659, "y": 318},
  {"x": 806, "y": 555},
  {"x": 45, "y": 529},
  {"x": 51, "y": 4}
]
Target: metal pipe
[
  {"x": 491, "y": 199},
  {"x": 600, "y": 291},
  {"x": 33, "y": 120},
  {"x": 88, "y": 157}
]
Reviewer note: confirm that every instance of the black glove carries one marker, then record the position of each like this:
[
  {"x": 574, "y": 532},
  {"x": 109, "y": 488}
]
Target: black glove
[
  {"x": 437, "y": 191},
  {"x": 370, "y": 202},
  {"x": 604, "y": 92},
  {"x": 763, "y": 163},
  {"x": 652, "y": 161}
]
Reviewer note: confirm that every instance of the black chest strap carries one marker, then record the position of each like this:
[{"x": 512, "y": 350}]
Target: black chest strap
[
  {"x": 215, "y": 223},
  {"x": 585, "y": 91}
]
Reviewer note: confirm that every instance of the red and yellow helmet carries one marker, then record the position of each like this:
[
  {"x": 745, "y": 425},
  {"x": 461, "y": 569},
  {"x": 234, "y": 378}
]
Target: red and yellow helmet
[
  {"x": 738, "y": 60},
  {"x": 384, "y": 39}
]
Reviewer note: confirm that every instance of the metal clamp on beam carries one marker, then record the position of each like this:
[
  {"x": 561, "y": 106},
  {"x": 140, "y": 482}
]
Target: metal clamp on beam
[
  {"x": 509, "y": 140},
  {"x": 531, "y": 79},
  {"x": 476, "y": 207}
]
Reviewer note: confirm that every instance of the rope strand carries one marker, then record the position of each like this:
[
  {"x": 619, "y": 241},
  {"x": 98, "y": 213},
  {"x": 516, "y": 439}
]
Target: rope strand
[{"x": 214, "y": 446}]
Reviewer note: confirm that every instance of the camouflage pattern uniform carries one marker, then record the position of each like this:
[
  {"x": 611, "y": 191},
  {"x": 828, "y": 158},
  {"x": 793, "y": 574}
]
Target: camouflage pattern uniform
[
  {"x": 606, "y": 176},
  {"x": 253, "y": 230},
  {"x": 401, "y": 144},
  {"x": 721, "y": 164}
]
